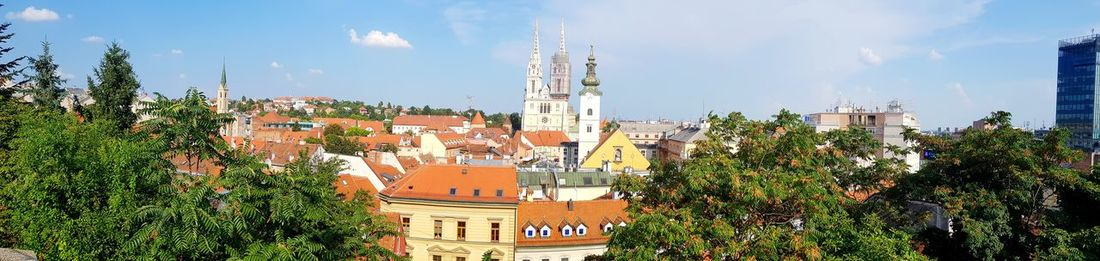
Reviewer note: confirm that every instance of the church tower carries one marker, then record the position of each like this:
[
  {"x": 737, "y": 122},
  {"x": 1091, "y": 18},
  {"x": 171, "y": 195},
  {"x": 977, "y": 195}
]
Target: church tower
[
  {"x": 534, "y": 70},
  {"x": 589, "y": 129},
  {"x": 222, "y": 102},
  {"x": 560, "y": 70}
]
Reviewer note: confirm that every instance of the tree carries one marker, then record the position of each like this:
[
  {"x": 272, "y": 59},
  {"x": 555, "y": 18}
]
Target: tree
[
  {"x": 8, "y": 69},
  {"x": 187, "y": 127},
  {"x": 353, "y": 131},
  {"x": 115, "y": 91},
  {"x": 76, "y": 186},
  {"x": 999, "y": 187},
  {"x": 334, "y": 129},
  {"x": 755, "y": 190},
  {"x": 341, "y": 145},
  {"x": 297, "y": 214},
  {"x": 9, "y": 124},
  {"x": 46, "y": 88}
]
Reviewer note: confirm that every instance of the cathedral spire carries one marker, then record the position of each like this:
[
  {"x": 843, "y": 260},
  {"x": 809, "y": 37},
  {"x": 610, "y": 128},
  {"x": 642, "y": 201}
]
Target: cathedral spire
[
  {"x": 561, "y": 44},
  {"x": 535, "y": 52},
  {"x": 223, "y": 76}
]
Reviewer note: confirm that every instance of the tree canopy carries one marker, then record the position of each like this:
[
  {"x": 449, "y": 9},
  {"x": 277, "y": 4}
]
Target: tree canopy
[{"x": 114, "y": 88}]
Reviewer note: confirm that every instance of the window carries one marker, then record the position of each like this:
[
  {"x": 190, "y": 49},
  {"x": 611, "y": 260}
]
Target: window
[
  {"x": 545, "y": 259},
  {"x": 494, "y": 233},
  {"x": 567, "y": 231},
  {"x": 461, "y": 231},
  {"x": 438, "y": 229},
  {"x": 607, "y": 227},
  {"x": 582, "y": 230},
  {"x": 460, "y": 258},
  {"x": 405, "y": 224},
  {"x": 618, "y": 154},
  {"x": 565, "y": 259},
  {"x": 544, "y": 232},
  {"x": 437, "y": 258},
  {"x": 453, "y": 191},
  {"x": 589, "y": 128},
  {"x": 587, "y": 180},
  {"x": 590, "y": 112},
  {"x": 622, "y": 223},
  {"x": 477, "y": 192},
  {"x": 529, "y": 232},
  {"x": 500, "y": 193}
]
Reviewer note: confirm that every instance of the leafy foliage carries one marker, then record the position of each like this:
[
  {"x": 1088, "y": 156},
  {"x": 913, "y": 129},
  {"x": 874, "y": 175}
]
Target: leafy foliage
[
  {"x": 353, "y": 131},
  {"x": 758, "y": 189},
  {"x": 1000, "y": 187},
  {"x": 187, "y": 128}
]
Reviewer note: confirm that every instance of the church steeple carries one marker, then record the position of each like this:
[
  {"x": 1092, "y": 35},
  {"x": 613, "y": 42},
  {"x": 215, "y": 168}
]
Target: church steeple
[
  {"x": 534, "y": 68},
  {"x": 222, "y": 101},
  {"x": 561, "y": 44},
  {"x": 223, "y": 86},
  {"x": 560, "y": 70},
  {"x": 590, "y": 82}
]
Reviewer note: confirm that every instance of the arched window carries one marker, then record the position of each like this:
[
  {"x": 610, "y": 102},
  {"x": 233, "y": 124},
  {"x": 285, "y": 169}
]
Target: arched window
[
  {"x": 545, "y": 231},
  {"x": 589, "y": 111},
  {"x": 567, "y": 231},
  {"x": 618, "y": 154},
  {"x": 529, "y": 232}
]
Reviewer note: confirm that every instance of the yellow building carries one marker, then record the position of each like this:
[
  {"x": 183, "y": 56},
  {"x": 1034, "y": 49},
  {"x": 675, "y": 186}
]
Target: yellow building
[
  {"x": 618, "y": 152},
  {"x": 456, "y": 212}
]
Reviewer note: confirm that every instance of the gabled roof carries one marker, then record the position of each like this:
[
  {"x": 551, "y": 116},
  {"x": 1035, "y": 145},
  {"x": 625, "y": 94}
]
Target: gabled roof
[
  {"x": 485, "y": 133},
  {"x": 282, "y": 153},
  {"x": 545, "y": 138},
  {"x": 347, "y": 184},
  {"x": 434, "y": 182},
  {"x": 689, "y": 135},
  {"x": 426, "y": 120},
  {"x": 478, "y": 119},
  {"x": 590, "y": 213}
]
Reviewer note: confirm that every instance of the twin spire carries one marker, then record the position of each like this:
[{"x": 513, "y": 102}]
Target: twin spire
[{"x": 535, "y": 56}]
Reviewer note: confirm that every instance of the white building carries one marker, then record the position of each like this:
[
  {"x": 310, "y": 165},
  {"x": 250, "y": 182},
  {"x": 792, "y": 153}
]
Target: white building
[
  {"x": 547, "y": 107},
  {"x": 885, "y": 125},
  {"x": 589, "y": 131}
]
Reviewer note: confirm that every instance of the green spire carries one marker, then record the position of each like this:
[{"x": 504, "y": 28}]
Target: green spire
[
  {"x": 223, "y": 74},
  {"x": 590, "y": 81}
]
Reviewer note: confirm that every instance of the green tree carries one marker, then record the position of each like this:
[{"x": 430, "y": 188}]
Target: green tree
[
  {"x": 353, "y": 131},
  {"x": 46, "y": 84},
  {"x": 342, "y": 145},
  {"x": 9, "y": 124},
  {"x": 999, "y": 187},
  {"x": 115, "y": 89},
  {"x": 297, "y": 214},
  {"x": 76, "y": 186},
  {"x": 755, "y": 190},
  {"x": 187, "y": 127}
]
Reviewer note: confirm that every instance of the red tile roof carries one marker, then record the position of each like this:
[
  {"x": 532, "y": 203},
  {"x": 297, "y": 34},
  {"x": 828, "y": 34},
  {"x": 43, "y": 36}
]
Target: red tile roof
[
  {"x": 478, "y": 119},
  {"x": 546, "y": 138},
  {"x": 425, "y": 120},
  {"x": 282, "y": 153},
  {"x": 375, "y": 126},
  {"x": 485, "y": 133},
  {"x": 376, "y": 141},
  {"x": 434, "y": 182},
  {"x": 451, "y": 140},
  {"x": 556, "y": 214},
  {"x": 347, "y": 185}
]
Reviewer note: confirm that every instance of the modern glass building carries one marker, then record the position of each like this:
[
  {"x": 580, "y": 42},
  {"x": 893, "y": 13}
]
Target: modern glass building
[{"x": 1077, "y": 105}]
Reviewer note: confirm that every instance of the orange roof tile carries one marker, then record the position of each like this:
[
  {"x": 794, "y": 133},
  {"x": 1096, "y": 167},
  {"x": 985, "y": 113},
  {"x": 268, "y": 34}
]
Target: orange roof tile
[
  {"x": 478, "y": 119},
  {"x": 347, "y": 185},
  {"x": 485, "y": 133},
  {"x": 556, "y": 214},
  {"x": 434, "y": 182},
  {"x": 425, "y": 120},
  {"x": 451, "y": 140},
  {"x": 375, "y": 126},
  {"x": 282, "y": 153},
  {"x": 408, "y": 163},
  {"x": 202, "y": 167},
  {"x": 376, "y": 141},
  {"x": 546, "y": 138}
]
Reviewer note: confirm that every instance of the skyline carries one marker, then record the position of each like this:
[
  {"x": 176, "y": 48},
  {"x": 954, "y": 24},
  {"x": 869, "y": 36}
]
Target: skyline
[{"x": 948, "y": 61}]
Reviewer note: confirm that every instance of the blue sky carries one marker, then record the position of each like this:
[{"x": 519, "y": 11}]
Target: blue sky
[{"x": 950, "y": 62}]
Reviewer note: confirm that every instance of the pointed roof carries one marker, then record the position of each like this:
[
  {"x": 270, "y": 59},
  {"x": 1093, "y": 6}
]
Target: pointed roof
[
  {"x": 561, "y": 44},
  {"x": 590, "y": 81},
  {"x": 223, "y": 76},
  {"x": 478, "y": 119},
  {"x": 535, "y": 51}
]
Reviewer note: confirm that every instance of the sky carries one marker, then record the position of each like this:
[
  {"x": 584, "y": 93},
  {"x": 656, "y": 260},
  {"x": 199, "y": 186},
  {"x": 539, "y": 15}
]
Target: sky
[{"x": 949, "y": 62}]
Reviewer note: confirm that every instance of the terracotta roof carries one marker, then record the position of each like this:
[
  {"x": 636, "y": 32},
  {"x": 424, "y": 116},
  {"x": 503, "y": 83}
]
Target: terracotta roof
[
  {"x": 376, "y": 141},
  {"x": 269, "y": 117},
  {"x": 375, "y": 126},
  {"x": 388, "y": 174},
  {"x": 434, "y": 182},
  {"x": 282, "y": 153},
  {"x": 408, "y": 163},
  {"x": 425, "y": 120},
  {"x": 546, "y": 138},
  {"x": 478, "y": 119},
  {"x": 347, "y": 184},
  {"x": 485, "y": 133},
  {"x": 451, "y": 140},
  {"x": 202, "y": 167},
  {"x": 556, "y": 214}
]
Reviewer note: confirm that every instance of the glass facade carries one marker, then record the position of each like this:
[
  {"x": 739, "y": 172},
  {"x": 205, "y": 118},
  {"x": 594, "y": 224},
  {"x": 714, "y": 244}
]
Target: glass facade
[{"x": 1076, "y": 100}]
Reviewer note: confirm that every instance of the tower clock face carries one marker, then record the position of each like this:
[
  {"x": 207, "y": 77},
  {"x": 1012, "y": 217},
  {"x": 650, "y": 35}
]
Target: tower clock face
[{"x": 545, "y": 120}]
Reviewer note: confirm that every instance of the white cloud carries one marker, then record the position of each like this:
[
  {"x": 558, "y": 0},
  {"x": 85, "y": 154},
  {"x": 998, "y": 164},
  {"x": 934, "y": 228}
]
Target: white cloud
[
  {"x": 868, "y": 56},
  {"x": 316, "y": 71},
  {"x": 183, "y": 76},
  {"x": 376, "y": 38},
  {"x": 289, "y": 77},
  {"x": 32, "y": 14},
  {"x": 93, "y": 39},
  {"x": 935, "y": 55},
  {"x": 464, "y": 18},
  {"x": 177, "y": 51},
  {"x": 276, "y": 65},
  {"x": 960, "y": 93},
  {"x": 64, "y": 75}
]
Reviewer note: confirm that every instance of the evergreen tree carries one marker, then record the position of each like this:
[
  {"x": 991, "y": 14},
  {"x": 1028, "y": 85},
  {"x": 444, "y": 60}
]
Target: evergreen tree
[
  {"x": 46, "y": 84},
  {"x": 115, "y": 89}
]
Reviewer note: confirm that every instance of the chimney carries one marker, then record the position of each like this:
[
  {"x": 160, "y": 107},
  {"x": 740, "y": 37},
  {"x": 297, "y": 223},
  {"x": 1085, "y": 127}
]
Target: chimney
[
  {"x": 569, "y": 204},
  {"x": 465, "y": 171}
]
